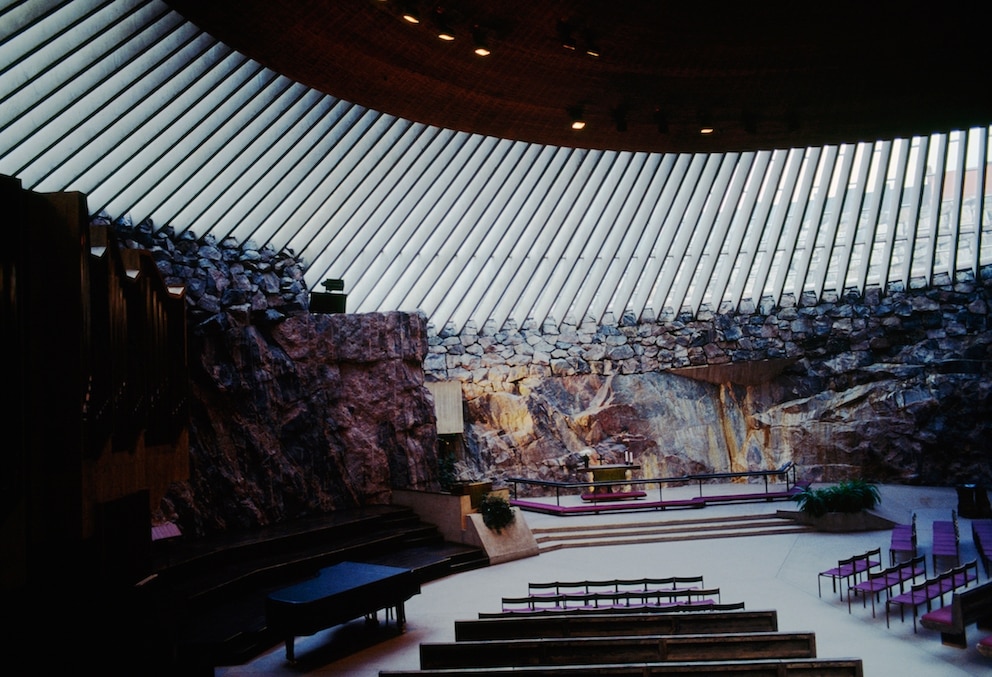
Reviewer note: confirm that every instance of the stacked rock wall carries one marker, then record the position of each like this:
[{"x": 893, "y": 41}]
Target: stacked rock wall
[{"x": 895, "y": 387}]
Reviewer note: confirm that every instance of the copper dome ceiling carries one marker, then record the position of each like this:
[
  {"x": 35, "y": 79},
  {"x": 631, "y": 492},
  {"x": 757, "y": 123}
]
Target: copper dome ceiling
[{"x": 762, "y": 75}]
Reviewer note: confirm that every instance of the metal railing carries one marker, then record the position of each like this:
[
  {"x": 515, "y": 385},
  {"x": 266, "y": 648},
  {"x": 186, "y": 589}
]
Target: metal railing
[{"x": 787, "y": 472}]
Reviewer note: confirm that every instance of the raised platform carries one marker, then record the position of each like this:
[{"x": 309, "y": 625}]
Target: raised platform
[
  {"x": 629, "y": 493},
  {"x": 554, "y": 506}
]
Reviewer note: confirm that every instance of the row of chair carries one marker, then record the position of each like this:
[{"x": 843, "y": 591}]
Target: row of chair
[
  {"x": 613, "y": 594},
  {"x": 640, "y": 585},
  {"x": 933, "y": 589},
  {"x": 946, "y": 543},
  {"x": 903, "y": 542},
  {"x": 850, "y": 570},
  {"x": 886, "y": 580},
  {"x": 981, "y": 533}
]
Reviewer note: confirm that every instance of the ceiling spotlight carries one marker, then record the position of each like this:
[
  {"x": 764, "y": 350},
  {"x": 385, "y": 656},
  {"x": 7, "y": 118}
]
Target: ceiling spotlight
[
  {"x": 592, "y": 45},
  {"x": 620, "y": 118},
  {"x": 410, "y": 13},
  {"x": 749, "y": 121},
  {"x": 444, "y": 31},
  {"x": 705, "y": 126},
  {"x": 661, "y": 120},
  {"x": 578, "y": 120},
  {"x": 479, "y": 39},
  {"x": 565, "y": 34}
]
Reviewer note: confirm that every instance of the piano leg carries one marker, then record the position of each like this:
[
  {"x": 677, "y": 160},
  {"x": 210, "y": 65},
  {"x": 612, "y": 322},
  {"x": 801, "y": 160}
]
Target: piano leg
[{"x": 290, "y": 649}]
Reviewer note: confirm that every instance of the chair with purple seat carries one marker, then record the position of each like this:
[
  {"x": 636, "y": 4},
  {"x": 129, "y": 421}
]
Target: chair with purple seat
[
  {"x": 946, "y": 543},
  {"x": 850, "y": 570},
  {"x": 981, "y": 533},
  {"x": 886, "y": 580},
  {"x": 903, "y": 542}
]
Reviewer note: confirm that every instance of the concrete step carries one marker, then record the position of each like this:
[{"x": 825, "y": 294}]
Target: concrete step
[{"x": 737, "y": 526}]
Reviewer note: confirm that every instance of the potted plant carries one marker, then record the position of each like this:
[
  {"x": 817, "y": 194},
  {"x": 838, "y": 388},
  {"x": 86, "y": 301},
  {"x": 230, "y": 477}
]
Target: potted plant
[{"x": 496, "y": 511}]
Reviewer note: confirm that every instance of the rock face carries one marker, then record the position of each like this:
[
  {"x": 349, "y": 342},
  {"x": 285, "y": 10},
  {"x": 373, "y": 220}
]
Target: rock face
[
  {"x": 896, "y": 425},
  {"x": 297, "y": 414},
  {"x": 312, "y": 414}
]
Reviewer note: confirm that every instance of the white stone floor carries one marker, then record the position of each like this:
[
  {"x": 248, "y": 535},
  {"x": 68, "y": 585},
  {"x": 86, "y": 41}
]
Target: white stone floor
[{"x": 766, "y": 572}]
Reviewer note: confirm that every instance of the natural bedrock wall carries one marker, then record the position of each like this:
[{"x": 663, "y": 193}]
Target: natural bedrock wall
[
  {"x": 893, "y": 387},
  {"x": 304, "y": 416}
]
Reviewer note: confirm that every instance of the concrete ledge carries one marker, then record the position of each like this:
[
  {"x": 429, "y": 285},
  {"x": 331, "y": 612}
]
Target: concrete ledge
[
  {"x": 458, "y": 522},
  {"x": 514, "y": 541}
]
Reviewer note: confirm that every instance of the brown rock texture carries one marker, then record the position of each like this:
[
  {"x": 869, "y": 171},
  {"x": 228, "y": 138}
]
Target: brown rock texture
[{"x": 305, "y": 416}]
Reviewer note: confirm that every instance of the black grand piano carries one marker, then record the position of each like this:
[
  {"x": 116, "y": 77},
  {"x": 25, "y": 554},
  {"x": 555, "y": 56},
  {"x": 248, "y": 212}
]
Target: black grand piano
[{"x": 338, "y": 594}]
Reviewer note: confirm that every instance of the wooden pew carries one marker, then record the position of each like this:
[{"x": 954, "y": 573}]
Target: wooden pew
[
  {"x": 798, "y": 667},
  {"x": 605, "y": 625},
  {"x": 973, "y": 605},
  {"x": 622, "y": 649}
]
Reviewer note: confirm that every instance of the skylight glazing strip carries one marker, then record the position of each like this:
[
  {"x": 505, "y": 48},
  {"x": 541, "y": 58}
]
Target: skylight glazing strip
[
  {"x": 700, "y": 289},
  {"x": 882, "y": 264},
  {"x": 471, "y": 278},
  {"x": 796, "y": 214},
  {"x": 621, "y": 233},
  {"x": 743, "y": 213},
  {"x": 700, "y": 231},
  {"x": 631, "y": 255},
  {"x": 523, "y": 216},
  {"x": 568, "y": 232},
  {"x": 925, "y": 254},
  {"x": 811, "y": 219},
  {"x": 607, "y": 227},
  {"x": 638, "y": 286},
  {"x": 913, "y": 206},
  {"x": 951, "y": 204},
  {"x": 578, "y": 264},
  {"x": 442, "y": 232},
  {"x": 267, "y": 202}
]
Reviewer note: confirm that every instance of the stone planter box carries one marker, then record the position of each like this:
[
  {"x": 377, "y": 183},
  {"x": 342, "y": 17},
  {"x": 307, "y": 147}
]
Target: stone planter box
[{"x": 840, "y": 522}]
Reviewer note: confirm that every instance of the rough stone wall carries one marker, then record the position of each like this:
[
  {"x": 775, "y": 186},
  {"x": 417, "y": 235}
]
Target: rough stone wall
[
  {"x": 292, "y": 414},
  {"x": 296, "y": 414},
  {"x": 894, "y": 387}
]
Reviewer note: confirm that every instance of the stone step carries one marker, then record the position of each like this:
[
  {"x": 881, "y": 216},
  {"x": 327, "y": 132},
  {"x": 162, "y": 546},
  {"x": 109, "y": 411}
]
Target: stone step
[{"x": 556, "y": 538}]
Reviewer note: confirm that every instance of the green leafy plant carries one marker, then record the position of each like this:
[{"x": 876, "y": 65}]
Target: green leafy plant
[
  {"x": 846, "y": 496},
  {"x": 496, "y": 512}
]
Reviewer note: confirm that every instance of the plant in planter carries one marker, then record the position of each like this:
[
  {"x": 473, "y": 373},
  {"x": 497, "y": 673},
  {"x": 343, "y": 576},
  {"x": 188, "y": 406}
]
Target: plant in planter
[
  {"x": 849, "y": 496},
  {"x": 496, "y": 512}
]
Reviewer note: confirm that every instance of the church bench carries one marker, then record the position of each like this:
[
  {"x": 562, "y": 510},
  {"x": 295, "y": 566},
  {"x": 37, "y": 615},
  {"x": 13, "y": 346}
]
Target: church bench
[
  {"x": 587, "y": 625},
  {"x": 795, "y": 667},
  {"x": 973, "y": 605},
  {"x": 984, "y": 646},
  {"x": 623, "y": 649}
]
